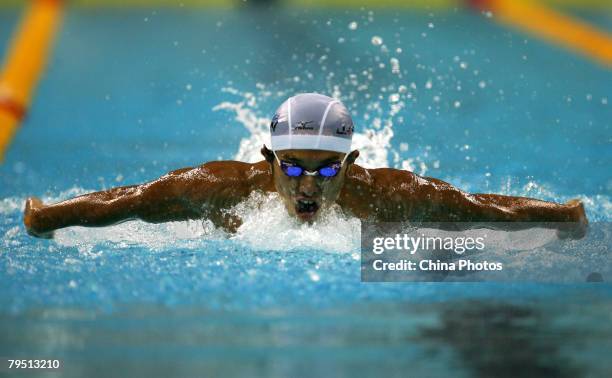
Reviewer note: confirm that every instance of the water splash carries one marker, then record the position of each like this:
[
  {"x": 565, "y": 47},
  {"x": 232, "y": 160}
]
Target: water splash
[
  {"x": 334, "y": 232},
  {"x": 267, "y": 226},
  {"x": 373, "y": 144}
]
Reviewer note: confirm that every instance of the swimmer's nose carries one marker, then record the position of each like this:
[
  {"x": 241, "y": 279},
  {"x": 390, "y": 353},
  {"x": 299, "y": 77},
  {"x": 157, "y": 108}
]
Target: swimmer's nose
[{"x": 308, "y": 186}]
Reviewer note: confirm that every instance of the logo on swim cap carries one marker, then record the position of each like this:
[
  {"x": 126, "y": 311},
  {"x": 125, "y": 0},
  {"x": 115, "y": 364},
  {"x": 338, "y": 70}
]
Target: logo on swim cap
[
  {"x": 274, "y": 122},
  {"x": 312, "y": 121},
  {"x": 304, "y": 125},
  {"x": 345, "y": 130}
]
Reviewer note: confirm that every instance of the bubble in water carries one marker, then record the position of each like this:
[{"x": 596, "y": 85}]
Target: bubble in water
[
  {"x": 377, "y": 41},
  {"x": 428, "y": 84},
  {"x": 482, "y": 84},
  {"x": 353, "y": 25},
  {"x": 457, "y": 104},
  {"x": 395, "y": 66},
  {"x": 430, "y": 25}
]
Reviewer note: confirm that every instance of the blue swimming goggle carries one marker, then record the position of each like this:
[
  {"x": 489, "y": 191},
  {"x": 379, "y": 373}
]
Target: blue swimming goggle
[{"x": 294, "y": 170}]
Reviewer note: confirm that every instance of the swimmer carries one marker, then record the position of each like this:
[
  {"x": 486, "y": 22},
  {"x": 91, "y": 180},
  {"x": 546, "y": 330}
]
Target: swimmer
[{"x": 311, "y": 166}]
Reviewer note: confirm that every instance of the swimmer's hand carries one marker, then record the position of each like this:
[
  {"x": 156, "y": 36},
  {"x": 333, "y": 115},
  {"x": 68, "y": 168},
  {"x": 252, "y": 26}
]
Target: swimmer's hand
[
  {"x": 578, "y": 224},
  {"x": 32, "y": 207}
]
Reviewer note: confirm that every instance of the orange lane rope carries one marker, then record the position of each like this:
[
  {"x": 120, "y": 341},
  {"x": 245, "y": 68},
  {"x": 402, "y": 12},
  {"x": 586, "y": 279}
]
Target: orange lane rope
[
  {"x": 24, "y": 64},
  {"x": 553, "y": 26}
]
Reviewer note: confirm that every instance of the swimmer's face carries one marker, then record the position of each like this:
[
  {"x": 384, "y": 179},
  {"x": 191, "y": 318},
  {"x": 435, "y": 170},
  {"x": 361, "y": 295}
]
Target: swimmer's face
[{"x": 304, "y": 196}]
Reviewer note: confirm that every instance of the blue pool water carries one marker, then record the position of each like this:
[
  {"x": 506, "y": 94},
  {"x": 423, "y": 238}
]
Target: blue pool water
[{"x": 129, "y": 96}]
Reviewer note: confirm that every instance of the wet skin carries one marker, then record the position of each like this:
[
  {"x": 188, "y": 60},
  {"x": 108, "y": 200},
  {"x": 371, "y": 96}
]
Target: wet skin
[{"x": 382, "y": 194}]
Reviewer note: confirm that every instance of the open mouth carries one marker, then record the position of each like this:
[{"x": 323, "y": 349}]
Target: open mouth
[{"x": 306, "y": 209}]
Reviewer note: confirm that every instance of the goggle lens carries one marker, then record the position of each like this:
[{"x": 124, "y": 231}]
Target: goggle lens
[
  {"x": 329, "y": 171},
  {"x": 292, "y": 170}
]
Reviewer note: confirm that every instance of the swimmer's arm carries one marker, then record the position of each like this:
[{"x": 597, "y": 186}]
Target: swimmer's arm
[
  {"x": 158, "y": 201},
  {"x": 434, "y": 200},
  {"x": 180, "y": 195}
]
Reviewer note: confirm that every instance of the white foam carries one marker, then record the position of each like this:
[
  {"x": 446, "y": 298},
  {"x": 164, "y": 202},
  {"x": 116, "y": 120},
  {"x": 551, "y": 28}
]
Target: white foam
[
  {"x": 155, "y": 237},
  {"x": 11, "y": 204},
  {"x": 267, "y": 226}
]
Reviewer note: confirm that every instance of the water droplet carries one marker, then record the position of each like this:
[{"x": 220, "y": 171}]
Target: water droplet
[
  {"x": 314, "y": 276},
  {"x": 377, "y": 41},
  {"x": 353, "y": 25}
]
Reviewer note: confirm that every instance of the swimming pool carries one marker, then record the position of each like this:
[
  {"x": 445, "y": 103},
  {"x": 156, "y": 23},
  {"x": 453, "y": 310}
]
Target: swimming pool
[{"x": 131, "y": 95}]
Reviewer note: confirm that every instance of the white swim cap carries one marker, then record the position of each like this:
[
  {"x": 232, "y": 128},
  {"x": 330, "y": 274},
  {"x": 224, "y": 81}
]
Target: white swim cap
[{"x": 311, "y": 121}]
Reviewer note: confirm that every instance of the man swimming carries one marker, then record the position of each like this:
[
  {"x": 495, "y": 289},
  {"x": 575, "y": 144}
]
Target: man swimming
[{"x": 311, "y": 166}]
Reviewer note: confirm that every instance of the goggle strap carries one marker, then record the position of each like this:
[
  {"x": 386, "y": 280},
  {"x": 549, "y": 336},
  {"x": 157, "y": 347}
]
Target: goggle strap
[
  {"x": 344, "y": 159},
  {"x": 277, "y": 159}
]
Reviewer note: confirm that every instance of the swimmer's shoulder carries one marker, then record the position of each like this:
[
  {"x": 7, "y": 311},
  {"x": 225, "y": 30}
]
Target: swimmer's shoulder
[
  {"x": 384, "y": 178},
  {"x": 232, "y": 172}
]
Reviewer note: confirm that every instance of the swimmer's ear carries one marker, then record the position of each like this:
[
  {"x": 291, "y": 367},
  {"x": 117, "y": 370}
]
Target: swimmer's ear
[
  {"x": 267, "y": 154},
  {"x": 352, "y": 156}
]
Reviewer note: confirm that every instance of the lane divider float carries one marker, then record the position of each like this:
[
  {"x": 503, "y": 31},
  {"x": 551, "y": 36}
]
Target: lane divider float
[{"x": 24, "y": 64}]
